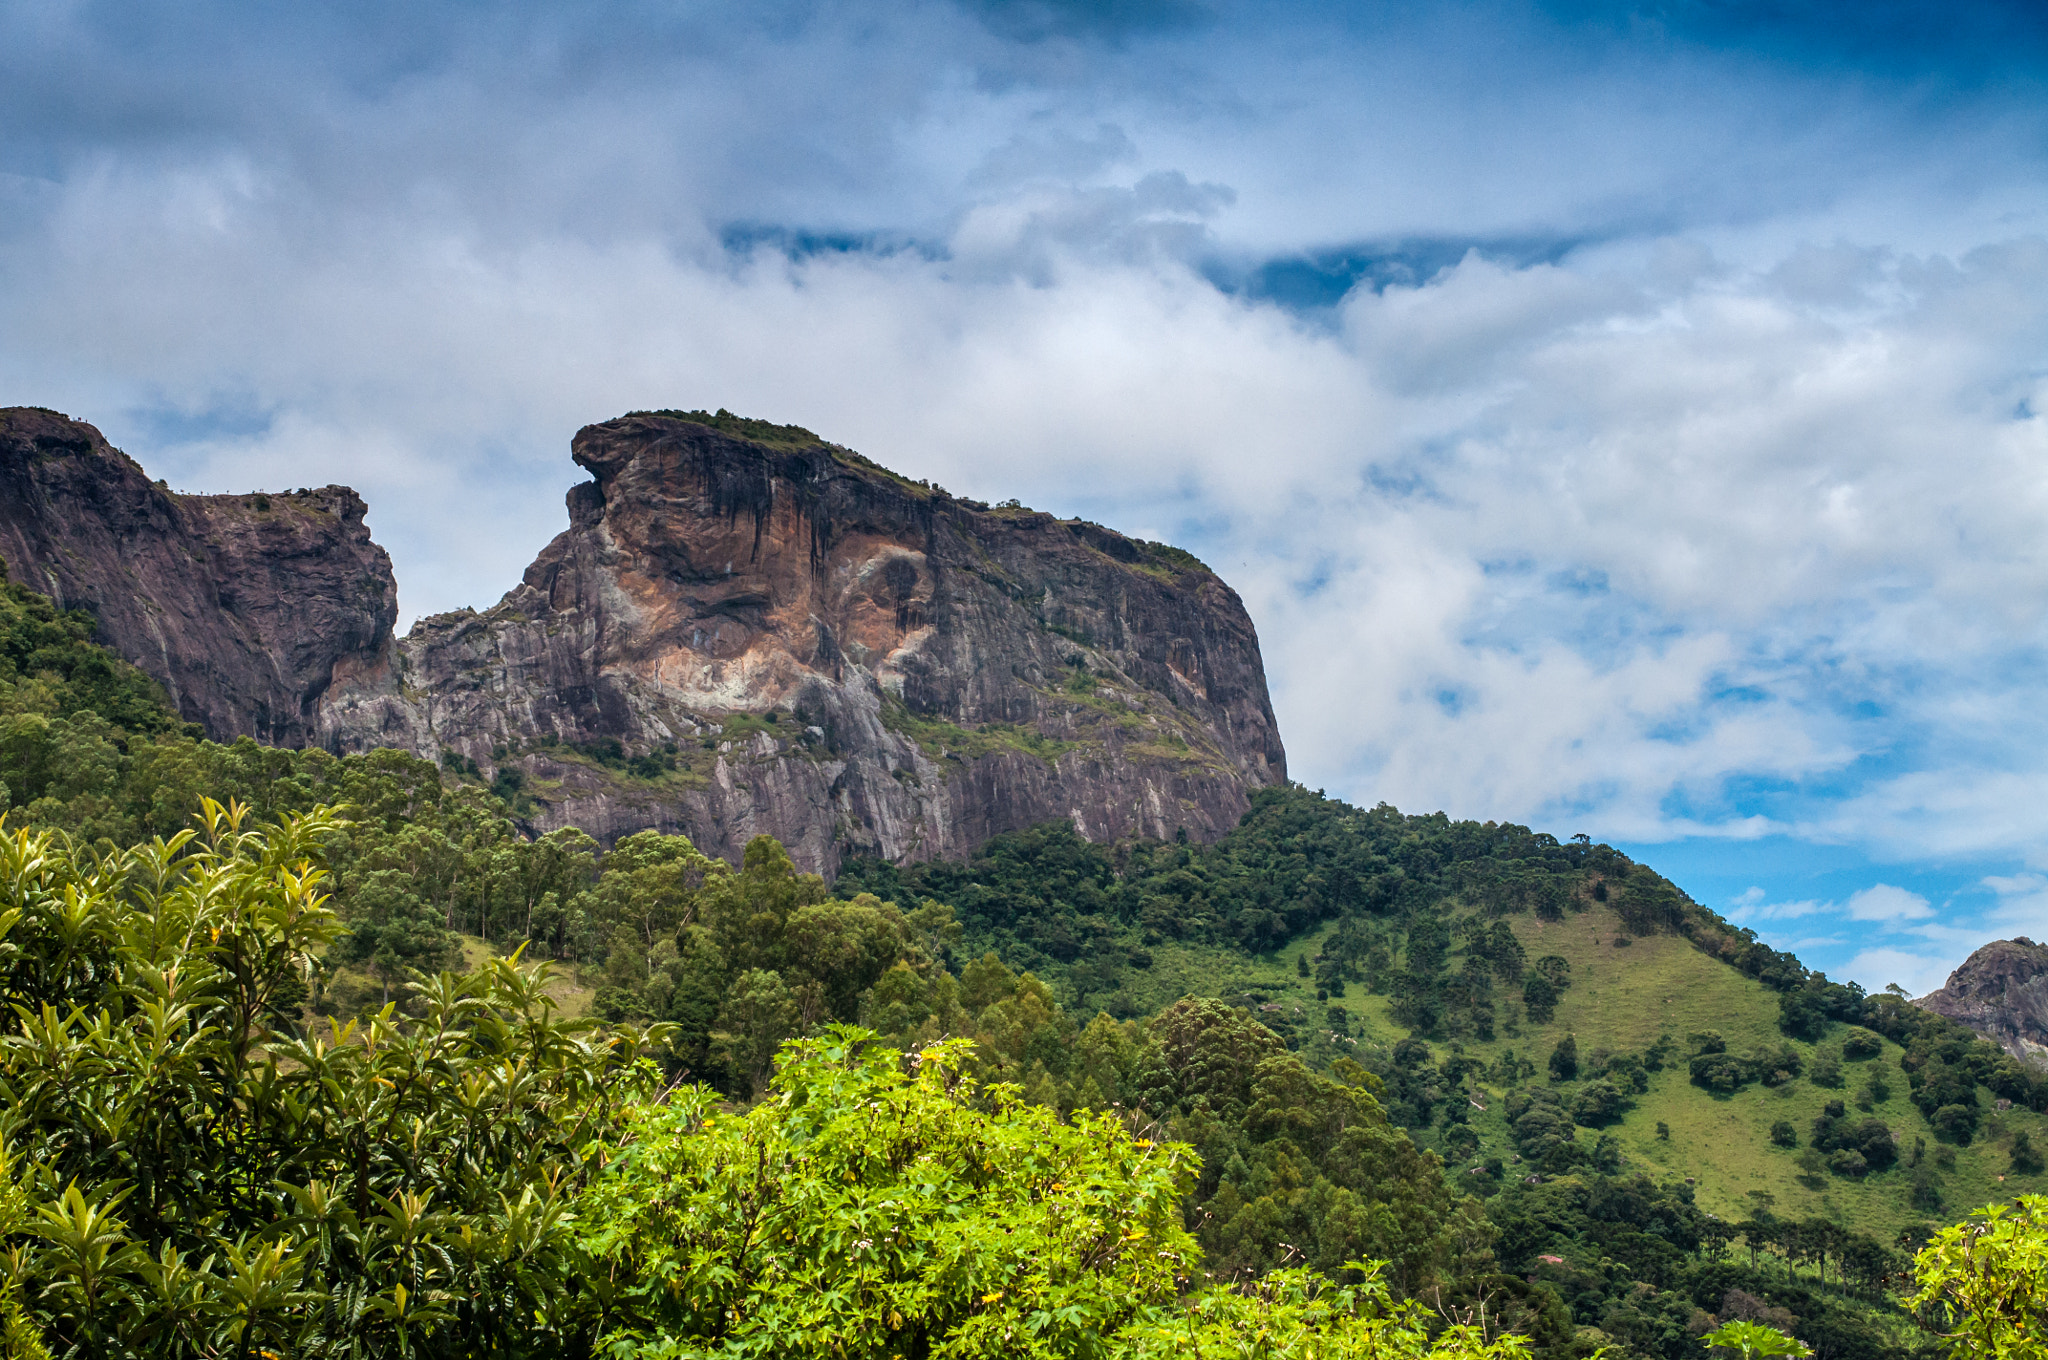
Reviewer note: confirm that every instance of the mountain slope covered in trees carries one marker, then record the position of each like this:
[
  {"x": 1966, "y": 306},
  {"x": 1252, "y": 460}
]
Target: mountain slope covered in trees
[
  {"x": 1531, "y": 1076},
  {"x": 1458, "y": 958}
]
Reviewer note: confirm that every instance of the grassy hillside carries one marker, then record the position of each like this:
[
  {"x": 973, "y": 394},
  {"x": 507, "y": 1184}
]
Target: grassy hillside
[
  {"x": 1623, "y": 999},
  {"x": 1450, "y": 961}
]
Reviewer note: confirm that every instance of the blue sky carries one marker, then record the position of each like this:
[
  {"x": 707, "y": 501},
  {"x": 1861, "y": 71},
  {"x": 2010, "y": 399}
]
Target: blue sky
[{"x": 1619, "y": 418}]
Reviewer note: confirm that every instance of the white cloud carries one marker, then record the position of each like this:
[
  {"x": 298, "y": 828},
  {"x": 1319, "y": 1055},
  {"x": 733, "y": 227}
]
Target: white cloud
[
  {"x": 1757, "y": 911},
  {"x": 1558, "y": 544},
  {"x": 1918, "y": 974},
  {"x": 2021, "y": 906},
  {"x": 1883, "y": 902}
]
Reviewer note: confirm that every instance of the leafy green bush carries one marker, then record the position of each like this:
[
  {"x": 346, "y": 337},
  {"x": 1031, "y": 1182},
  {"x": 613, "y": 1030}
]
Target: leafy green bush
[
  {"x": 1752, "y": 1339},
  {"x": 1984, "y": 1283},
  {"x": 207, "y": 1180},
  {"x": 877, "y": 1207},
  {"x": 1856, "y": 1147},
  {"x": 1599, "y": 1104},
  {"x": 1564, "y": 1059}
]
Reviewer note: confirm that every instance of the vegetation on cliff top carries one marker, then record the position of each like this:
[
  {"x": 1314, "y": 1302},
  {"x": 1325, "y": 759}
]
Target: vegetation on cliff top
[{"x": 759, "y": 431}]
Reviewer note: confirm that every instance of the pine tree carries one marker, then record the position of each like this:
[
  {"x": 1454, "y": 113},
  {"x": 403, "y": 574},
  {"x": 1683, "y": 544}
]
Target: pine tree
[{"x": 1564, "y": 1062}]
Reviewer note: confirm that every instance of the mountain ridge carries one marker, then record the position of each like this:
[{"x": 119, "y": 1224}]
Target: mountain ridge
[
  {"x": 243, "y": 607},
  {"x": 744, "y": 630},
  {"x": 2000, "y": 991}
]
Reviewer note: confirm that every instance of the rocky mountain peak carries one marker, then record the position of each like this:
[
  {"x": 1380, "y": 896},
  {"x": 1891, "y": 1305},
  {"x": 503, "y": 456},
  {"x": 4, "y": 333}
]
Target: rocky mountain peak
[
  {"x": 243, "y": 607},
  {"x": 744, "y": 629},
  {"x": 2001, "y": 991},
  {"x": 748, "y": 629}
]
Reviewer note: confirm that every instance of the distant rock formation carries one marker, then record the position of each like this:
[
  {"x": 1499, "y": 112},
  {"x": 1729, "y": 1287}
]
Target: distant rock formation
[
  {"x": 2001, "y": 991},
  {"x": 244, "y": 607},
  {"x": 743, "y": 630}
]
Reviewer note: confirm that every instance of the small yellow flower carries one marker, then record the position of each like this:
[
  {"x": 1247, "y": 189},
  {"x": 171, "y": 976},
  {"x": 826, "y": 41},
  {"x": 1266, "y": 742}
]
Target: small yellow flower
[{"x": 991, "y": 1298}]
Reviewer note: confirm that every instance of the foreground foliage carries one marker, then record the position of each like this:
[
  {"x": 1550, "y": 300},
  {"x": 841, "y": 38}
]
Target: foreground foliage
[
  {"x": 1984, "y": 1283},
  {"x": 870, "y": 1208},
  {"x": 207, "y": 1180}
]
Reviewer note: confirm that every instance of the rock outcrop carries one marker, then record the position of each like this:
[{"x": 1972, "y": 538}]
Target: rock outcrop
[
  {"x": 745, "y": 629},
  {"x": 244, "y": 607},
  {"x": 2001, "y": 991}
]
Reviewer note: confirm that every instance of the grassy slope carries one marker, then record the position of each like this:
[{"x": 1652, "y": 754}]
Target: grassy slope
[
  {"x": 358, "y": 987},
  {"x": 1623, "y": 999},
  {"x": 572, "y": 996}
]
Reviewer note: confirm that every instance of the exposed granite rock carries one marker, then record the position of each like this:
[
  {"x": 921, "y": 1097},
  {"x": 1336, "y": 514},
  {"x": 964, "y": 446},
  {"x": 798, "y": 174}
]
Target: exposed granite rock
[
  {"x": 747, "y": 630},
  {"x": 244, "y": 607},
  {"x": 2001, "y": 991}
]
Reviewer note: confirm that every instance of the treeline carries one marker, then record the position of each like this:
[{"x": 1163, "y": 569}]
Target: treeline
[
  {"x": 193, "y": 1169},
  {"x": 200, "y": 1168},
  {"x": 1052, "y": 901},
  {"x": 403, "y": 1213}
]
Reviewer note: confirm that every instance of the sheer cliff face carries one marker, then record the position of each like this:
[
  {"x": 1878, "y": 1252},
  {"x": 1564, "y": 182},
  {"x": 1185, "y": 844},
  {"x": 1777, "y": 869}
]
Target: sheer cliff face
[
  {"x": 736, "y": 637},
  {"x": 2001, "y": 991},
  {"x": 244, "y": 607}
]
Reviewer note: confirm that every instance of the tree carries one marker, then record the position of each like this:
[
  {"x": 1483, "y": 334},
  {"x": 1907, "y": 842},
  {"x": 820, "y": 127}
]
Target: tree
[
  {"x": 1213, "y": 1051},
  {"x": 1752, "y": 1339},
  {"x": 1984, "y": 1283},
  {"x": 1599, "y": 1104},
  {"x": 1956, "y": 1123},
  {"x": 881, "y": 1205},
  {"x": 2025, "y": 1160},
  {"x": 396, "y": 932},
  {"x": 211, "y": 1181},
  {"x": 759, "y": 1013},
  {"x": 650, "y": 882},
  {"x": 871, "y": 1209},
  {"x": 1564, "y": 1059},
  {"x": 1826, "y": 1070}
]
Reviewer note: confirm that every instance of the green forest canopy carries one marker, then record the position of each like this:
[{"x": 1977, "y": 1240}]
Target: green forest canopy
[{"x": 302, "y": 1132}]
